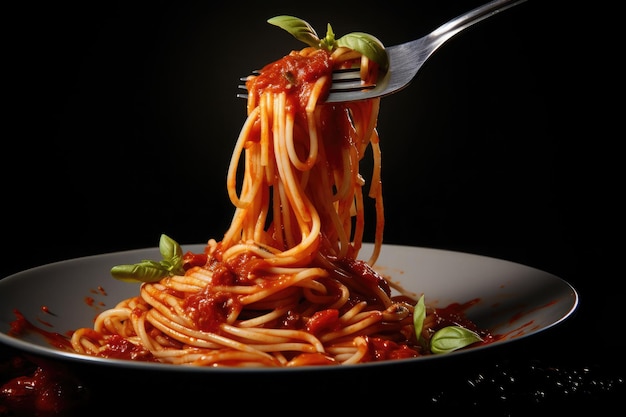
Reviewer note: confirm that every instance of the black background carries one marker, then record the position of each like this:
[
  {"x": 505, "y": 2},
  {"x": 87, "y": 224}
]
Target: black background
[{"x": 122, "y": 117}]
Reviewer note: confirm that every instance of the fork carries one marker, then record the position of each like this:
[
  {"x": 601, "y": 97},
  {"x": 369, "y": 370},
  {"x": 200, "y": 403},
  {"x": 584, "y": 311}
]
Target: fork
[{"x": 405, "y": 59}]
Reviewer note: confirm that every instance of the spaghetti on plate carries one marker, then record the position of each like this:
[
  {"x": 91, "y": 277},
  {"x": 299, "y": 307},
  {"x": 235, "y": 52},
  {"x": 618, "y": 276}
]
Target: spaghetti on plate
[{"x": 284, "y": 286}]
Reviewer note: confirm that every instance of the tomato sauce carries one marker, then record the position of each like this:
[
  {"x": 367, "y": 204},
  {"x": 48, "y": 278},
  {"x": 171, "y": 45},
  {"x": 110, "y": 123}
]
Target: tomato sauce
[
  {"x": 37, "y": 388},
  {"x": 294, "y": 74}
]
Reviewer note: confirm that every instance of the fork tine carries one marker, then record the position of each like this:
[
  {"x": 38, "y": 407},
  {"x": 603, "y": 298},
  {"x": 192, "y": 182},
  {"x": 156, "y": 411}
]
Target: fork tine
[
  {"x": 352, "y": 86},
  {"x": 243, "y": 86},
  {"x": 253, "y": 74},
  {"x": 343, "y": 80},
  {"x": 242, "y": 95},
  {"x": 348, "y": 80},
  {"x": 355, "y": 85},
  {"x": 340, "y": 75},
  {"x": 348, "y": 74}
]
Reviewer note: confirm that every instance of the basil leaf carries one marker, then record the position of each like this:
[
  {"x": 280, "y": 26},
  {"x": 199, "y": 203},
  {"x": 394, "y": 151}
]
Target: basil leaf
[
  {"x": 367, "y": 45},
  {"x": 152, "y": 271},
  {"x": 300, "y": 29},
  {"x": 419, "y": 314},
  {"x": 329, "y": 43},
  {"x": 169, "y": 248},
  {"x": 451, "y": 338},
  {"x": 145, "y": 271},
  {"x": 362, "y": 42},
  {"x": 174, "y": 265}
]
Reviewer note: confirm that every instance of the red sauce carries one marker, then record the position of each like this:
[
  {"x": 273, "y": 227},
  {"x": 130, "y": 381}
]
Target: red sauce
[
  {"x": 324, "y": 320},
  {"x": 336, "y": 132},
  {"x": 29, "y": 388},
  {"x": 383, "y": 350},
  {"x": 21, "y": 325},
  {"x": 294, "y": 74},
  {"x": 191, "y": 260},
  {"x": 38, "y": 388},
  {"x": 365, "y": 275},
  {"x": 209, "y": 310},
  {"x": 454, "y": 314},
  {"x": 45, "y": 323},
  {"x": 119, "y": 348}
]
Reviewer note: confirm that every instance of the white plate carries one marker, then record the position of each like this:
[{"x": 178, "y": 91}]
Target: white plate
[{"x": 515, "y": 300}]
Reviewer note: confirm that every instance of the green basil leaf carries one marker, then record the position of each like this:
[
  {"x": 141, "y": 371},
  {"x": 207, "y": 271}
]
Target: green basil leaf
[
  {"x": 174, "y": 265},
  {"x": 152, "y": 271},
  {"x": 145, "y": 271},
  {"x": 451, "y": 338},
  {"x": 329, "y": 43},
  {"x": 362, "y": 42},
  {"x": 419, "y": 314},
  {"x": 169, "y": 248},
  {"x": 300, "y": 29},
  {"x": 367, "y": 45}
]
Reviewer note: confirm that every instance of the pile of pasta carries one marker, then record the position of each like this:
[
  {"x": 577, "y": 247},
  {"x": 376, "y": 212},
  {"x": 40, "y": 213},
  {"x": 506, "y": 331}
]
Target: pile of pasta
[{"x": 284, "y": 286}]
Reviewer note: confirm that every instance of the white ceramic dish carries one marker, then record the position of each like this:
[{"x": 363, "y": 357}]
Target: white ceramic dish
[{"x": 515, "y": 300}]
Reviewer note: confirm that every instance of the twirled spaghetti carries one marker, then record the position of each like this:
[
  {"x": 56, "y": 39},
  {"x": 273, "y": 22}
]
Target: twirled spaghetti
[{"x": 284, "y": 286}]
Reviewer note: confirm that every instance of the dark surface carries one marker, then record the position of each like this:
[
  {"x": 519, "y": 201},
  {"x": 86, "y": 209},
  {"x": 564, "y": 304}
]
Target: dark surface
[{"x": 122, "y": 119}]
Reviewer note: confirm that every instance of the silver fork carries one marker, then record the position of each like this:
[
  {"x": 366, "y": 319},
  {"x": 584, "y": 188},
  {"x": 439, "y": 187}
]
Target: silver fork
[{"x": 406, "y": 58}]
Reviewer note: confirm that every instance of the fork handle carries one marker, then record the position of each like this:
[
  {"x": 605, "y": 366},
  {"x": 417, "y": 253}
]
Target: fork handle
[{"x": 454, "y": 26}]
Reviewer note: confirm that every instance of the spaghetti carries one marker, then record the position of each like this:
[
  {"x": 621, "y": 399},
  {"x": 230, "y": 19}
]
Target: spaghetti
[{"x": 284, "y": 286}]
